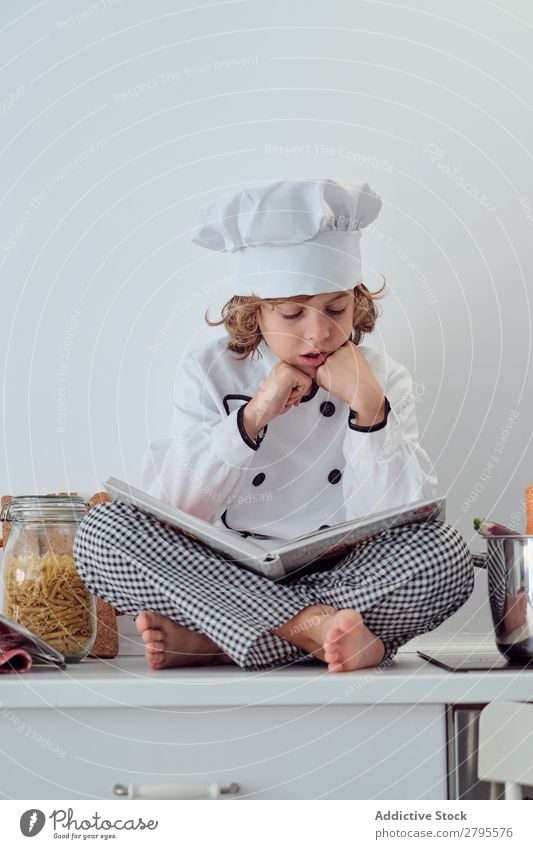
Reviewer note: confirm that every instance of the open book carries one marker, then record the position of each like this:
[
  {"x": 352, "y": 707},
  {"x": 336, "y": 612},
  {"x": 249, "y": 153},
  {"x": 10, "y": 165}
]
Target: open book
[{"x": 284, "y": 559}]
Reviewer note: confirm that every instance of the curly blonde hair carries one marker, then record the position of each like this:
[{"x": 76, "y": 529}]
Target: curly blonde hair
[{"x": 240, "y": 317}]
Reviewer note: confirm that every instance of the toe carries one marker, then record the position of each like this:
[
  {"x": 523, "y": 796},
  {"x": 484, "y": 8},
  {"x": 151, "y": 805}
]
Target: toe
[
  {"x": 146, "y": 619},
  {"x": 333, "y": 656},
  {"x": 332, "y": 638},
  {"x": 152, "y": 634},
  {"x": 141, "y": 622}
]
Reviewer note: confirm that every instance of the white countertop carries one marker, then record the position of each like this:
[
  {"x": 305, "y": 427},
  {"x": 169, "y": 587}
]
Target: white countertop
[{"x": 127, "y": 681}]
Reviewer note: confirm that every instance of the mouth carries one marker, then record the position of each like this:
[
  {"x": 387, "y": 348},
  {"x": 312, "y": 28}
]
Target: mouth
[{"x": 314, "y": 358}]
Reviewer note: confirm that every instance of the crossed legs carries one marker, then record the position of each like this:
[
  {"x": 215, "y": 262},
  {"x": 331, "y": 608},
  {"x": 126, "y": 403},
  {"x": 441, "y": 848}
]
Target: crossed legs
[{"x": 194, "y": 606}]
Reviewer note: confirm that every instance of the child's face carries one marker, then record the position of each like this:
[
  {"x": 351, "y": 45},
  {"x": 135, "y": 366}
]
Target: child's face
[{"x": 297, "y": 327}]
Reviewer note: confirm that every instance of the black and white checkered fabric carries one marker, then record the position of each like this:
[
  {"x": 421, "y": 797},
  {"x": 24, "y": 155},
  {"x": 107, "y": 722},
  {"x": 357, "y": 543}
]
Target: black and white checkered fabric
[{"x": 405, "y": 582}]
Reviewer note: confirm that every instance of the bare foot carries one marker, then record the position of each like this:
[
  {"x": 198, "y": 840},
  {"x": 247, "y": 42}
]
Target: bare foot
[
  {"x": 340, "y": 638},
  {"x": 168, "y": 644},
  {"x": 348, "y": 644}
]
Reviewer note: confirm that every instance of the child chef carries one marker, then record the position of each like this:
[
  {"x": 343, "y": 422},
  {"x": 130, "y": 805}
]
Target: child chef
[{"x": 285, "y": 425}]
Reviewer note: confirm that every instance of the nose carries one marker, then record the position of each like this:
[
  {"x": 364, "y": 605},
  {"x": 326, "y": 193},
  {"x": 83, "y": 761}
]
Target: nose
[{"x": 318, "y": 327}]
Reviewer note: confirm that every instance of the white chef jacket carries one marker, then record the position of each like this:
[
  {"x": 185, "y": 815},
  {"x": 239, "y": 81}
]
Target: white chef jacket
[{"x": 309, "y": 467}]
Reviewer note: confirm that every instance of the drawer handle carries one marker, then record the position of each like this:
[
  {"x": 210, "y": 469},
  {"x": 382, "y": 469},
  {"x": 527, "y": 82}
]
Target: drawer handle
[{"x": 174, "y": 791}]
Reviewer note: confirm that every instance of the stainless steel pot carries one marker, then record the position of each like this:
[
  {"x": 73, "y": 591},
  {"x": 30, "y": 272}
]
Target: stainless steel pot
[{"x": 510, "y": 579}]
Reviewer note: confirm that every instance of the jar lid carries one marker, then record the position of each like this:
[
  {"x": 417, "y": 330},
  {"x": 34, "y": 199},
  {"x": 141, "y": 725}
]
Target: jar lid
[{"x": 44, "y": 508}]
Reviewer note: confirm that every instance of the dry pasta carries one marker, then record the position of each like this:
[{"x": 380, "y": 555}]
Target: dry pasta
[{"x": 46, "y": 594}]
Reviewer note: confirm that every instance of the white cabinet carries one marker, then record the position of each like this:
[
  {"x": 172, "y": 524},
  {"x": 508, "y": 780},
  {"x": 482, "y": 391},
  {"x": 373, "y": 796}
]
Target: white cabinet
[
  {"x": 294, "y": 733},
  {"x": 273, "y": 752}
]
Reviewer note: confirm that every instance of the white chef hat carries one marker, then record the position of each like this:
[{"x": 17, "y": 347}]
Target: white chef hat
[{"x": 292, "y": 237}]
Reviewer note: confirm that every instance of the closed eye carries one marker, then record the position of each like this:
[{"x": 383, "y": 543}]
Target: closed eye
[{"x": 298, "y": 314}]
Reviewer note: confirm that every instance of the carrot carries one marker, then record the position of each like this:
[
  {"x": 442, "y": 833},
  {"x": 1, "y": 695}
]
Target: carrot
[{"x": 529, "y": 509}]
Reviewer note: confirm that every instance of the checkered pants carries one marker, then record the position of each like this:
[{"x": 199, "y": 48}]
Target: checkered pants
[{"x": 404, "y": 581}]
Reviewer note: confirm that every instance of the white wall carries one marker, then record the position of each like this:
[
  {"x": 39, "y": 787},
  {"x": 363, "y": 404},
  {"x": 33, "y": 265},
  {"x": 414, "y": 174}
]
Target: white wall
[{"x": 119, "y": 119}]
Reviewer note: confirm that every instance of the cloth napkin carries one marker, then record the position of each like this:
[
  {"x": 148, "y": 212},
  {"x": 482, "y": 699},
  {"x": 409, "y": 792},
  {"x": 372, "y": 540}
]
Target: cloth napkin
[
  {"x": 13, "y": 658},
  {"x": 20, "y": 648}
]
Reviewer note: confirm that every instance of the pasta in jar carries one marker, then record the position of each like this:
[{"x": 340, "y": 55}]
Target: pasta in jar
[
  {"x": 42, "y": 589},
  {"x": 47, "y": 596}
]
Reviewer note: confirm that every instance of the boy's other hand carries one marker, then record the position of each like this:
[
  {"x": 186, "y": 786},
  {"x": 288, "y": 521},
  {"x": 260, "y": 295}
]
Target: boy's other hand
[
  {"x": 282, "y": 389},
  {"x": 347, "y": 375}
]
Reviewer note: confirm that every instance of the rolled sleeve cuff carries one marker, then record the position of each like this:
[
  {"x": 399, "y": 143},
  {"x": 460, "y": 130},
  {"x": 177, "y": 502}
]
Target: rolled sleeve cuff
[
  {"x": 252, "y": 443},
  {"x": 228, "y": 441},
  {"x": 376, "y": 443},
  {"x": 352, "y": 419}
]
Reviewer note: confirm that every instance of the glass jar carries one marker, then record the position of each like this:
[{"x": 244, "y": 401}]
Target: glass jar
[{"x": 41, "y": 588}]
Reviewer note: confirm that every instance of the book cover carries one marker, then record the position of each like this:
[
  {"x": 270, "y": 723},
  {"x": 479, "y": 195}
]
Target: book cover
[{"x": 281, "y": 560}]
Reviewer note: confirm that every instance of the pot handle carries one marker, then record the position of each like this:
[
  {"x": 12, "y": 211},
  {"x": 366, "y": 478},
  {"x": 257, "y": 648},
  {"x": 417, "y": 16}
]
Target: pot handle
[{"x": 479, "y": 559}]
